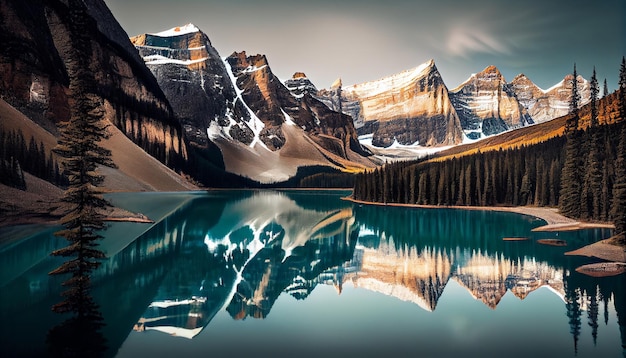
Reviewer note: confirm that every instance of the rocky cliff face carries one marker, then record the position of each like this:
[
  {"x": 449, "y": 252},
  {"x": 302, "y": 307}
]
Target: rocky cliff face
[
  {"x": 274, "y": 104},
  {"x": 196, "y": 82},
  {"x": 240, "y": 105},
  {"x": 486, "y": 105},
  {"x": 544, "y": 105},
  {"x": 34, "y": 77},
  {"x": 411, "y": 107},
  {"x": 35, "y": 81}
]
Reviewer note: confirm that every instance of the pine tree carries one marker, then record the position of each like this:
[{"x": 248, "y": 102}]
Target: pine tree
[
  {"x": 622, "y": 89},
  {"x": 569, "y": 198},
  {"x": 574, "y": 312},
  {"x": 593, "y": 170},
  {"x": 80, "y": 151},
  {"x": 618, "y": 209},
  {"x": 605, "y": 89},
  {"x": 595, "y": 91}
]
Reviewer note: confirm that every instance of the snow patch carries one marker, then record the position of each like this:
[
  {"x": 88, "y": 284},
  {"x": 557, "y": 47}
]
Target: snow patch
[
  {"x": 255, "y": 124},
  {"x": 288, "y": 120},
  {"x": 399, "y": 80},
  {"x": 250, "y": 69},
  {"x": 560, "y": 84},
  {"x": 399, "y": 151},
  {"x": 161, "y": 60},
  {"x": 178, "y": 31}
]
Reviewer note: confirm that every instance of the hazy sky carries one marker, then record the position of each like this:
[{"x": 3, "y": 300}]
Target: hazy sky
[{"x": 365, "y": 40}]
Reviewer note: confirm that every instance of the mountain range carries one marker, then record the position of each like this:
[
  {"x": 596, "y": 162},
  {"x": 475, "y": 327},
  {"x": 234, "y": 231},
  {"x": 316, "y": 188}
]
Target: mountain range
[
  {"x": 246, "y": 114},
  {"x": 261, "y": 128},
  {"x": 416, "y": 107},
  {"x": 172, "y": 95}
]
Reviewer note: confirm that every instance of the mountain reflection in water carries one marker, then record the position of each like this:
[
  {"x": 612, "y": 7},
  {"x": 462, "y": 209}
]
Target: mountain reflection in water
[{"x": 237, "y": 252}]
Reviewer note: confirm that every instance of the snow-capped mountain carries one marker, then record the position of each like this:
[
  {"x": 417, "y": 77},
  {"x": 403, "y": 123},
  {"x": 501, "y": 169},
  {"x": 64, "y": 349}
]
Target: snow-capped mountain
[
  {"x": 263, "y": 130},
  {"x": 415, "y": 106},
  {"x": 410, "y": 107},
  {"x": 544, "y": 105},
  {"x": 196, "y": 82},
  {"x": 486, "y": 105}
]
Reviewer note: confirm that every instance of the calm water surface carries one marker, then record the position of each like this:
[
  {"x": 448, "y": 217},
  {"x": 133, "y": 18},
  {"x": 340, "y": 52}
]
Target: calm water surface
[{"x": 297, "y": 273}]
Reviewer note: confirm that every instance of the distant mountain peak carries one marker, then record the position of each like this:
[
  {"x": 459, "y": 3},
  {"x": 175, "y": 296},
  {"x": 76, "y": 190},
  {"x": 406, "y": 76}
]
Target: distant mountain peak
[
  {"x": 244, "y": 61},
  {"x": 298, "y": 75},
  {"x": 178, "y": 31},
  {"x": 397, "y": 80},
  {"x": 336, "y": 84},
  {"x": 490, "y": 73},
  {"x": 520, "y": 77},
  {"x": 491, "y": 69}
]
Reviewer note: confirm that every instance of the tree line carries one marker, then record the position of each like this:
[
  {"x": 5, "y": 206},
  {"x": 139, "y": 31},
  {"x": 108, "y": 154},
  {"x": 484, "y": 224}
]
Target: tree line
[
  {"x": 582, "y": 172},
  {"x": 528, "y": 175},
  {"x": 17, "y": 157}
]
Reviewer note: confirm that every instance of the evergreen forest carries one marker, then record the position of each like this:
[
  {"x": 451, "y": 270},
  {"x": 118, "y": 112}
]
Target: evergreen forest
[{"x": 582, "y": 172}]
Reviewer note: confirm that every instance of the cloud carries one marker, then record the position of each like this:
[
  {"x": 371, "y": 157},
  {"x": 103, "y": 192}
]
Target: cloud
[{"x": 465, "y": 40}]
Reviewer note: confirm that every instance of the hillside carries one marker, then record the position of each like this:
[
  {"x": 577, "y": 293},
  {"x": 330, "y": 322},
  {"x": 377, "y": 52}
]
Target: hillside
[
  {"x": 137, "y": 171},
  {"x": 538, "y": 133}
]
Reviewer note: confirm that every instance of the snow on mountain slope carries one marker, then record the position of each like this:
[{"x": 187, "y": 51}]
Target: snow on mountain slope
[
  {"x": 408, "y": 107},
  {"x": 544, "y": 105},
  {"x": 391, "y": 83},
  {"x": 238, "y": 104},
  {"x": 178, "y": 31},
  {"x": 196, "y": 81},
  {"x": 486, "y": 105}
]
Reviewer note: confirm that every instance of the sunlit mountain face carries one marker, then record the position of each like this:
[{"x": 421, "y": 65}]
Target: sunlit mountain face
[{"x": 266, "y": 265}]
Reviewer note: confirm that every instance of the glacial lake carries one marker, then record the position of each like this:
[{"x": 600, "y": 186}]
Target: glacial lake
[{"x": 305, "y": 274}]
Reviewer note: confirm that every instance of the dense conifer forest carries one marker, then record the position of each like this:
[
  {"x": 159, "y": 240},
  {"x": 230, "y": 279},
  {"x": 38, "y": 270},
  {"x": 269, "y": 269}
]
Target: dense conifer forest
[
  {"x": 17, "y": 157},
  {"x": 528, "y": 175},
  {"x": 582, "y": 172}
]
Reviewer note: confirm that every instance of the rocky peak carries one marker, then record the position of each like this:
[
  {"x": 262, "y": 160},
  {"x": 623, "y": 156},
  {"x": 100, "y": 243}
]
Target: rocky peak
[
  {"x": 239, "y": 105},
  {"x": 487, "y": 105},
  {"x": 241, "y": 62},
  {"x": 491, "y": 69},
  {"x": 196, "y": 81},
  {"x": 488, "y": 79},
  {"x": 408, "y": 107},
  {"x": 336, "y": 84},
  {"x": 521, "y": 78},
  {"x": 185, "y": 45},
  {"x": 544, "y": 105},
  {"x": 299, "y": 84}
]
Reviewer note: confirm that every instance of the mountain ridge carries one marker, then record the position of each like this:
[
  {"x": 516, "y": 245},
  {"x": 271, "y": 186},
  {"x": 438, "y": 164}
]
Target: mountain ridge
[
  {"x": 485, "y": 103},
  {"x": 237, "y": 104}
]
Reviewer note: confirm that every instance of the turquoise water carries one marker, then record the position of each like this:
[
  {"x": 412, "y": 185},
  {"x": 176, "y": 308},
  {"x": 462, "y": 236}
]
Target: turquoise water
[{"x": 299, "y": 273}]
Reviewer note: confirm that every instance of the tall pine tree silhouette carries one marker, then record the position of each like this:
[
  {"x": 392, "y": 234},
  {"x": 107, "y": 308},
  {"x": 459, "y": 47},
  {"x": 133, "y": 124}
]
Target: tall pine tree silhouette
[
  {"x": 81, "y": 153},
  {"x": 570, "y": 195},
  {"x": 618, "y": 209},
  {"x": 590, "y": 205}
]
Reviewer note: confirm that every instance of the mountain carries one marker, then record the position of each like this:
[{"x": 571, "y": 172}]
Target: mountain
[
  {"x": 544, "y": 105},
  {"x": 608, "y": 113},
  {"x": 486, "y": 105},
  {"x": 262, "y": 129},
  {"x": 35, "y": 50},
  {"x": 410, "y": 107},
  {"x": 195, "y": 80},
  {"x": 415, "y": 106}
]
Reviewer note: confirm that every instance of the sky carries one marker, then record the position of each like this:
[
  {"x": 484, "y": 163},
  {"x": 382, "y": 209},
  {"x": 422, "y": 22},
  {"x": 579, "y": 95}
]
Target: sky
[{"x": 365, "y": 40}]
